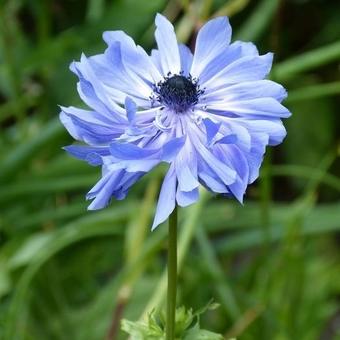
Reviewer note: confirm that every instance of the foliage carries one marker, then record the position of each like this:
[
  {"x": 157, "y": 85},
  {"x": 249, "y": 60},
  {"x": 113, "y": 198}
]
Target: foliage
[
  {"x": 272, "y": 264},
  {"x": 187, "y": 326}
]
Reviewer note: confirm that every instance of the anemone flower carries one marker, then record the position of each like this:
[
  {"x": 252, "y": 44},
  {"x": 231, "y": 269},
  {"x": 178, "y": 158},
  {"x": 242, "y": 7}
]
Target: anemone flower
[{"x": 208, "y": 114}]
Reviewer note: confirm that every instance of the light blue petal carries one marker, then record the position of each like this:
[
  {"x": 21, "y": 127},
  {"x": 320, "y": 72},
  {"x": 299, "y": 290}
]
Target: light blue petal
[
  {"x": 247, "y": 90},
  {"x": 114, "y": 183},
  {"x": 187, "y": 181},
  {"x": 273, "y": 129},
  {"x": 221, "y": 170},
  {"x": 186, "y": 168},
  {"x": 209, "y": 179},
  {"x": 119, "y": 77},
  {"x": 185, "y": 198},
  {"x": 186, "y": 59},
  {"x": 128, "y": 151},
  {"x": 255, "y": 156},
  {"x": 89, "y": 72},
  {"x": 235, "y": 159},
  {"x": 88, "y": 126},
  {"x": 133, "y": 56},
  {"x": 139, "y": 165},
  {"x": 258, "y": 107},
  {"x": 171, "y": 148},
  {"x": 124, "y": 185},
  {"x": 211, "y": 129},
  {"x": 167, "y": 198},
  {"x": 212, "y": 39},
  {"x": 91, "y": 154},
  {"x": 86, "y": 92},
  {"x": 103, "y": 190},
  {"x": 131, "y": 108},
  {"x": 167, "y": 45},
  {"x": 248, "y": 68},
  {"x": 235, "y": 51},
  {"x": 230, "y": 139},
  {"x": 156, "y": 60}
]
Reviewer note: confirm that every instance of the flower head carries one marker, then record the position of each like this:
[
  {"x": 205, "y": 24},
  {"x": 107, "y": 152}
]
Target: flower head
[{"x": 209, "y": 115}]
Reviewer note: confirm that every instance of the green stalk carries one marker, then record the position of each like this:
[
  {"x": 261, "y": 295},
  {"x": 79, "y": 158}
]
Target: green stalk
[
  {"x": 172, "y": 276},
  {"x": 187, "y": 232}
]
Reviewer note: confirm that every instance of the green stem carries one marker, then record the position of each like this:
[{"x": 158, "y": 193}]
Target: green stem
[{"x": 172, "y": 276}]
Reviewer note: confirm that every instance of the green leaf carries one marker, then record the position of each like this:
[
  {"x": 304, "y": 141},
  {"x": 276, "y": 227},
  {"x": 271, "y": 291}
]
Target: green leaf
[
  {"x": 141, "y": 330},
  {"x": 200, "y": 334}
]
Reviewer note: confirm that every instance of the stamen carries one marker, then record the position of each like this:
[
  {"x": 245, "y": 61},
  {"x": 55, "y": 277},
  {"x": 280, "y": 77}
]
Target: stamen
[{"x": 177, "y": 92}]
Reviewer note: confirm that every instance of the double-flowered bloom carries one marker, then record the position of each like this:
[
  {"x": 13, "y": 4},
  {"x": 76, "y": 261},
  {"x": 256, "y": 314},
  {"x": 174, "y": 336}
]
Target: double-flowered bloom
[{"x": 209, "y": 115}]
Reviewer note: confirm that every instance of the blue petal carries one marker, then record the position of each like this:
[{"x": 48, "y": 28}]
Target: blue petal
[
  {"x": 109, "y": 110},
  {"x": 138, "y": 165},
  {"x": 134, "y": 57},
  {"x": 235, "y": 51},
  {"x": 235, "y": 159},
  {"x": 185, "y": 198},
  {"x": 258, "y": 107},
  {"x": 255, "y": 156},
  {"x": 273, "y": 129},
  {"x": 209, "y": 179},
  {"x": 247, "y": 90},
  {"x": 186, "y": 59},
  {"x": 156, "y": 59},
  {"x": 91, "y": 154},
  {"x": 167, "y": 198},
  {"x": 211, "y": 129},
  {"x": 230, "y": 139},
  {"x": 118, "y": 77},
  {"x": 131, "y": 109},
  {"x": 88, "y": 126},
  {"x": 171, "y": 148},
  {"x": 187, "y": 181},
  {"x": 167, "y": 45},
  {"x": 248, "y": 68},
  {"x": 186, "y": 168},
  {"x": 212, "y": 39},
  {"x": 115, "y": 183},
  {"x": 127, "y": 181},
  {"x": 89, "y": 72},
  {"x": 221, "y": 170},
  {"x": 128, "y": 151},
  {"x": 103, "y": 190}
]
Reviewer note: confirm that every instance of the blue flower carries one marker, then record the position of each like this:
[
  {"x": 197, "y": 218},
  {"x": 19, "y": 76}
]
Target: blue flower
[{"x": 209, "y": 115}]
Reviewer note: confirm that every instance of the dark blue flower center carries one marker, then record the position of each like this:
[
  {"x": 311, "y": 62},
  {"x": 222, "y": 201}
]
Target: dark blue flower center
[{"x": 177, "y": 92}]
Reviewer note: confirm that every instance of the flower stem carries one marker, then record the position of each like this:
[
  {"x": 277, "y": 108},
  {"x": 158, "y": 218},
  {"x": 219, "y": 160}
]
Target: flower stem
[{"x": 172, "y": 276}]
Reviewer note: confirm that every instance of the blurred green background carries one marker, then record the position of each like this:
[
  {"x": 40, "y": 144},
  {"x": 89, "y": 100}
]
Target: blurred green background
[{"x": 273, "y": 264}]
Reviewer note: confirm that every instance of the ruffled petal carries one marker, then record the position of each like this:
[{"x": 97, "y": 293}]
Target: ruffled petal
[
  {"x": 255, "y": 156},
  {"x": 102, "y": 192},
  {"x": 186, "y": 59},
  {"x": 134, "y": 58},
  {"x": 234, "y": 158},
  {"x": 91, "y": 154},
  {"x": 89, "y": 126},
  {"x": 167, "y": 198},
  {"x": 259, "y": 107},
  {"x": 247, "y": 90},
  {"x": 235, "y": 51},
  {"x": 212, "y": 39},
  {"x": 248, "y": 68},
  {"x": 185, "y": 198},
  {"x": 167, "y": 46},
  {"x": 220, "y": 170},
  {"x": 114, "y": 183},
  {"x": 273, "y": 129},
  {"x": 186, "y": 169}
]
